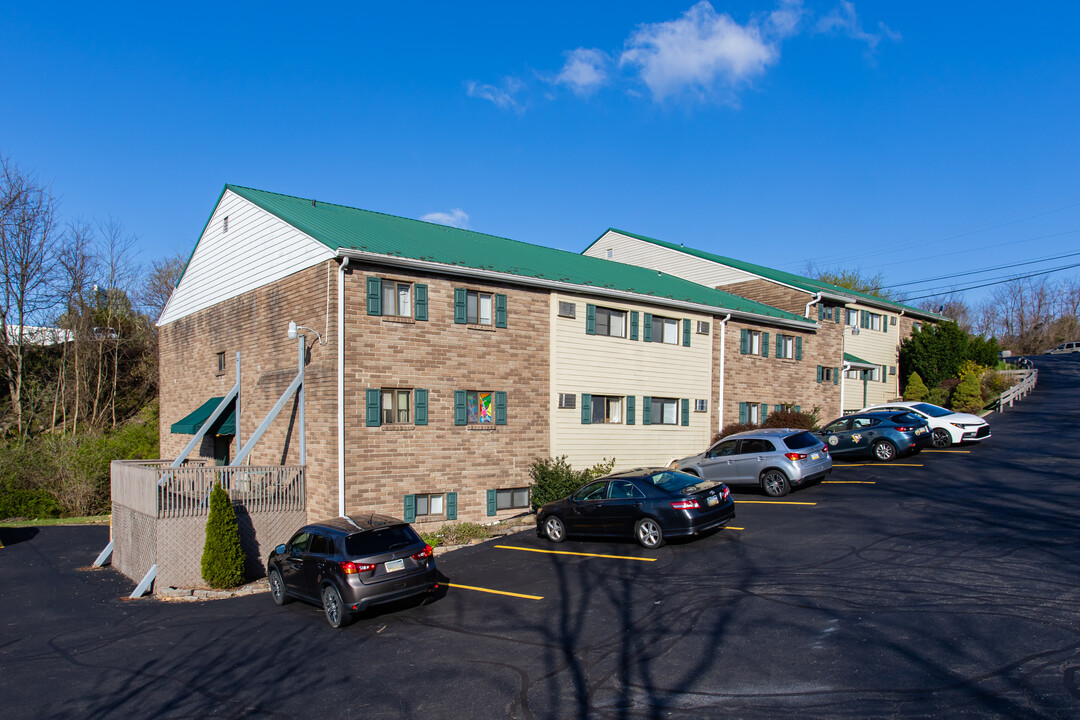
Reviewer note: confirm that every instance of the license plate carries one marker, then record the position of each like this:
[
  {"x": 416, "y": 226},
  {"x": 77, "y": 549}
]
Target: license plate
[
  {"x": 815, "y": 456},
  {"x": 394, "y": 565},
  {"x": 920, "y": 431},
  {"x": 711, "y": 500}
]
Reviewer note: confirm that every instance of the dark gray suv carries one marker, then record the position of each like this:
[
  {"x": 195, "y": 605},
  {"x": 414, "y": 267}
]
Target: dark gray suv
[
  {"x": 349, "y": 563},
  {"x": 775, "y": 459}
]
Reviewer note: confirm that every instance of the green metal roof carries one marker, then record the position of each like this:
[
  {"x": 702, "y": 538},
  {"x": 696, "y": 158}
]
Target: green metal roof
[
  {"x": 339, "y": 226},
  {"x": 798, "y": 281},
  {"x": 849, "y": 358},
  {"x": 224, "y": 425}
]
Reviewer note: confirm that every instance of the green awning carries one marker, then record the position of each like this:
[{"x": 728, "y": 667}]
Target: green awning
[
  {"x": 225, "y": 425},
  {"x": 851, "y": 360}
]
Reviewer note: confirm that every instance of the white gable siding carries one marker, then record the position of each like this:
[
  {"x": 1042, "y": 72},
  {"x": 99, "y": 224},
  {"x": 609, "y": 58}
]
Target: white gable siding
[
  {"x": 258, "y": 249},
  {"x": 631, "y": 251}
]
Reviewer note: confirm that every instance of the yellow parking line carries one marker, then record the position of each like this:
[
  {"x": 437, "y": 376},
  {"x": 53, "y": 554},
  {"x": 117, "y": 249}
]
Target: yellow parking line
[
  {"x": 494, "y": 592},
  {"x": 965, "y": 452},
  {"x": 727, "y": 527},
  {"x": 880, "y": 465},
  {"x": 848, "y": 482},
  {"x": 567, "y": 552},
  {"x": 774, "y": 502}
]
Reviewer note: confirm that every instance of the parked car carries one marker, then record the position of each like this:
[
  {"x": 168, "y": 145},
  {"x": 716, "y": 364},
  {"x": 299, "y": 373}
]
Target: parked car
[
  {"x": 947, "y": 427},
  {"x": 350, "y": 563},
  {"x": 776, "y": 459},
  {"x": 648, "y": 504},
  {"x": 1067, "y": 347},
  {"x": 882, "y": 435}
]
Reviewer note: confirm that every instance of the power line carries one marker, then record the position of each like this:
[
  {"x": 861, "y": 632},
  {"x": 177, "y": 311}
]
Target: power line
[
  {"x": 996, "y": 282},
  {"x": 977, "y": 272}
]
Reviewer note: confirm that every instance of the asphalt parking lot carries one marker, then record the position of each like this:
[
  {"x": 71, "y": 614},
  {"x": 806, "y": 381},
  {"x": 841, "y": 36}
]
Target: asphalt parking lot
[{"x": 947, "y": 584}]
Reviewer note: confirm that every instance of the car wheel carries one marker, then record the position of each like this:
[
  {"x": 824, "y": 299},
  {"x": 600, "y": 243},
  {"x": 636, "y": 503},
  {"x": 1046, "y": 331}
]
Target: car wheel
[
  {"x": 648, "y": 533},
  {"x": 554, "y": 529},
  {"x": 775, "y": 483},
  {"x": 884, "y": 451},
  {"x": 334, "y": 608},
  {"x": 277, "y": 588},
  {"x": 942, "y": 438}
]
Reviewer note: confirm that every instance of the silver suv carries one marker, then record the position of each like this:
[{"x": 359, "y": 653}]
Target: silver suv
[{"x": 776, "y": 459}]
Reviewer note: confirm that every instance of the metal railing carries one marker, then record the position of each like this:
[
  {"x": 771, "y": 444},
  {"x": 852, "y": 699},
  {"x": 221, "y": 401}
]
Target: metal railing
[
  {"x": 1018, "y": 391},
  {"x": 153, "y": 488}
]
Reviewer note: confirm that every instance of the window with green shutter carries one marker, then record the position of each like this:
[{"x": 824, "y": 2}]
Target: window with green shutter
[
  {"x": 500, "y": 310},
  {"x": 491, "y": 509},
  {"x": 421, "y": 301},
  {"x": 631, "y": 409},
  {"x": 409, "y": 513},
  {"x": 500, "y": 407},
  {"x": 646, "y": 410},
  {"x": 684, "y": 420},
  {"x": 451, "y": 506},
  {"x": 764, "y": 344},
  {"x": 479, "y": 407},
  {"x": 373, "y": 415},
  {"x": 420, "y": 398},
  {"x": 686, "y": 332},
  {"x": 590, "y": 319},
  {"x": 586, "y": 408},
  {"x": 646, "y": 333},
  {"x": 633, "y": 324},
  {"x": 374, "y": 296},
  {"x": 459, "y": 305}
]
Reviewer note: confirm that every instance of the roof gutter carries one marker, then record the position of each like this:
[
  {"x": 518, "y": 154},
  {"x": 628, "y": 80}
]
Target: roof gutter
[
  {"x": 564, "y": 286},
  {"x": 814, "y": 301}
]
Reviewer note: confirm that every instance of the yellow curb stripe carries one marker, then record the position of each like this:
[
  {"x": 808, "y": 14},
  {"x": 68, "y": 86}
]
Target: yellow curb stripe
[
  {"x": 965, "y": 452},
  {"x": 880, "y": 465},
  {"x": 848, "y": 482},
  {"x": 727, "y": 527},
  {"x": 567, "y": 552},
  {"x": 494, "y": 592},
  {"x": 773, "y": 502}
]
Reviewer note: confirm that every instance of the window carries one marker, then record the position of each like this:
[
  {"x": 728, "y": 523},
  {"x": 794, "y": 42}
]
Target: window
[
  {"x": 756, "y": 445},
  {"x": 702, "y": 327},
  {"x": 753, "y": 412},
  {"x": 429, "y": 504},
  {"x": 664, "y": 411},
  {"x": 396, "y": 299},
  {"x": 299, "y": 542},
  {"x": 892, "y": 320},
  {"x": 478, "y": 308},
  {"x": 722, "y": 449},
  {"x": 753, "y": 342},
  {"x": 826, "y": 312},
  {"x": 785, "y": 346},
  {"x": 321, "y": 545},
  {"x": 221, "y": 363},
  {"x": 853, "y": 374},
  {"x": 916, "y": 326},
  {"x": 395, "y": 406},
  {"x": 606, "y": 409},
  {"x": 665, "y": 330},
  {"x": 851, "y": 317},
  {"x": 567, "y": 309},
  {"x": 567, "y": 400},
  {"x": 624, "y": 490},
  {"x": 512, "y": 498},
  {"x": 701, "y": 406},
  {"x": 610, "y": 322},
  {"x": 480, "y": 407},
  {"x": 593, "y": 491}
]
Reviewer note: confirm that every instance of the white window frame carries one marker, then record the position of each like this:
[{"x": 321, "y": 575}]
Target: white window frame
[
  {"x": 392, "y": 415},
  {"x": 396, "y": 303},
  {"x": 753, "y": 412},
  {"x": 612, "y": 409},
  {"x": 610, "y": 314},
  {"x": 754, "y": 342}
]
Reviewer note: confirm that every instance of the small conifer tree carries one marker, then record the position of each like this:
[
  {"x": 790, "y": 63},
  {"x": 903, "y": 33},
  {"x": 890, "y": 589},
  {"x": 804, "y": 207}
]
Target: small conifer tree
[
  {"x": 968, "y": 395},
  {"x": 223, "y": 555},
  {"x": 915, "y": 389}
]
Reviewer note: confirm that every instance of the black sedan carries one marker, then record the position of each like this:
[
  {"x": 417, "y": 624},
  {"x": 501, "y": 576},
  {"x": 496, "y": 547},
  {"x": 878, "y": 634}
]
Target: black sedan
[
  {"x": 648, "y": 504},
  {"x": 348, "y": 563}
]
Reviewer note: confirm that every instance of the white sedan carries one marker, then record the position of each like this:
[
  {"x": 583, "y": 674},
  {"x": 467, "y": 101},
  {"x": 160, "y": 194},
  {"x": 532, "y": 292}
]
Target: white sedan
[{"x": 949, "y": 428}]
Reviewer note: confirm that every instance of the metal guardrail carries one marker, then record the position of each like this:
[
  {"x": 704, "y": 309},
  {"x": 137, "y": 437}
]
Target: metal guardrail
[{"x": 1018, "y": 391}]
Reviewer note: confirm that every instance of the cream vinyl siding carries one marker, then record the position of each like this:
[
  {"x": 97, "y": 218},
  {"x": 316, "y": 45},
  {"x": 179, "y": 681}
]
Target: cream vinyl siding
[
  {"x": 879, "y": 348},
  {"x": 602, "y": 365},
  {"x": 258, "y": 249},
  {"x": 631, "y": 251}
]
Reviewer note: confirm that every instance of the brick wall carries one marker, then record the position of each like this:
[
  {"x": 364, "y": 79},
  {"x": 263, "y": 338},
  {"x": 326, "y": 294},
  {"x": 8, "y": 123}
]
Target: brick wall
[{"x": 770, "y": 293}]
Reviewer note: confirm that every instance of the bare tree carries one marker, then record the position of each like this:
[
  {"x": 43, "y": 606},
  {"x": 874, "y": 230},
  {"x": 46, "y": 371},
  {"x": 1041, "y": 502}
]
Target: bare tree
[
  {"x": 159, "y": 282},
  {"x": 120, "y": 273},
  {"x": 27, "y": 237},
  {"x": 78, "y": 266}
]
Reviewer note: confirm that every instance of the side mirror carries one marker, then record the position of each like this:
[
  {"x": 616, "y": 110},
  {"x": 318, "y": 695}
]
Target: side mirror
[{"x": 280, "y": 549}]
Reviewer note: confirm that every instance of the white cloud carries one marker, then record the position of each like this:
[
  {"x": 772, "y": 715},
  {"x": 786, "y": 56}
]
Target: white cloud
[
  {"x": 455, "y": 218},
  {"x": 784, "y": 21},
  {"x": 701, "y": 52},
  {"x": 585, "y": 71},
  {"x": 844, "y": 21},
  {"x": 503, "y": 97}
]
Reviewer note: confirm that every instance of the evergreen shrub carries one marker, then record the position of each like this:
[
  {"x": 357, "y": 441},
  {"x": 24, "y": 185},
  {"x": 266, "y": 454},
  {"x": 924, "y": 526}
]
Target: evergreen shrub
[
  {"x": 27, "y": 504},
  {"x": 915, "y": 389},
  {"x": 968, "y": 395},
  {"x": 223, "y": 555},
  {"x": 554, "y": 479}
]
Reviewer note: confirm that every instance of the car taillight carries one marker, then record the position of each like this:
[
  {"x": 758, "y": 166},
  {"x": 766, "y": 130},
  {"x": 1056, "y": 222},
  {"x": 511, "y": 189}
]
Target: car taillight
[
  {"x": 424, "y": 554},
  {"x": 824, "y": 448},
  {"x": 725, "y": 494},
  {"x": 904, "y": 429},
  {"x": 351, "y": 568},
  {"x": 795, "y": 456},
  {"x": 685, "y": 504}
]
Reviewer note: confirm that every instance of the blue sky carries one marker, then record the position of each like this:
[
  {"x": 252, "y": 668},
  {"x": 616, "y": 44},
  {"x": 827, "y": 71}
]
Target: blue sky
[{"x": 911, "y": 139}]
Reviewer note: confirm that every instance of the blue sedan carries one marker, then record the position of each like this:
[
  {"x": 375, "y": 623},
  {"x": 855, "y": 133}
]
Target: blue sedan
[{"x": 881, "y": 435}]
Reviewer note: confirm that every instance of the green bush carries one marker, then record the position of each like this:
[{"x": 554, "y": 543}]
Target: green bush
[
  {"x": 789, "y": 419},
  {"x": 938, "y": 396},
  {"x": 223, "y": 555},
  {"x": 915, "y": 389},
  {"x": 995, "y": 383},
  {"x": 554, "y": 479},
  {"x": 968, "y": 395},
  {"x": 456, "y": 534},
  {"x": 28, "y": 504},
  {"x": 731, "y": 429}
]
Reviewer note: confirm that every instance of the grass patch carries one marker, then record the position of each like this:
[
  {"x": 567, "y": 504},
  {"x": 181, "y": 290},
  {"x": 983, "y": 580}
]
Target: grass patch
[{"x": 89, "y": 520}]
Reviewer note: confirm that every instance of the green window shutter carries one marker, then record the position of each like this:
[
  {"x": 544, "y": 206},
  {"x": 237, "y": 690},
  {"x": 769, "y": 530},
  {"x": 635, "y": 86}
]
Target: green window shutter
[
  {"x": 764, "y": 344},
  {"x": 764, "y": 411},
  {"x": 374, "y": 296},
  {"x": 421, "y": 301},
  {"x": 742, "y": 412},
  {"x": 797, "y": 409},
  {"x": 798, "y": 348},
  {"x": 590, "y": 319},
  {"x": 884, "y": 373},
  {"x": 820, "y": 312},
  {"x": 459, "y": 306},
  {"x": 451, "y": 506},
  {"x": 820, "y": 372},
  {"x": 491, "y": 508},
  {"x": 410, "y": 509},
  {"x": 500, "y": 310},
  {"x": 460, "y": 416},
  {"x": 646, "y": 334},
  {"x": 630, "y": 409},
  {"x": 374, "y": 416},
  {"x": 686, "y": 332},
  {"x": 685, "y": 419},
  {"x": 500, "y": 407},
  {"x": 836, "y": 376},
  {"x": 744, "y": 341},
  {"x": 839, "y": 315},
  {"x": 420, "y": 403},
  {"x": 633, "y": 324},
  {"x": 885, "y": 323},
  {"x": 779, "y": 345},
  {"x": 864, "y": 319},
  {"x": 776, "y": 408},
  {"x": 646, "y": 410},
  {"x": 586, "y": 408}
]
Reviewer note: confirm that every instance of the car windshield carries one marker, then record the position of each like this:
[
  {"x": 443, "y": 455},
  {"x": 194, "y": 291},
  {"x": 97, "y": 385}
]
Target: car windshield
[
  {"x": 677, "y": 482},
  {"x": 907, "y": 419},
  {"x": 382, "y": 540},
  {"x": 801, "y": 440},
  {"x": 932, "y": 410}
]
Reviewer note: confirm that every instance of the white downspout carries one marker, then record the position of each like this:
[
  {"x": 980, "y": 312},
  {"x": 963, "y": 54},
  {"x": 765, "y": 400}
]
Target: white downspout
[
  {"x": 723, "y": 352},
  {"x": 814, "y": 301},
  {"x": 844, "y": 367},
  {"x": 341, "y": 384}
]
